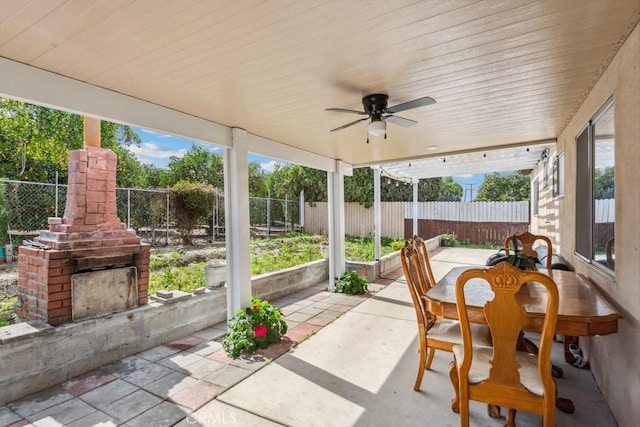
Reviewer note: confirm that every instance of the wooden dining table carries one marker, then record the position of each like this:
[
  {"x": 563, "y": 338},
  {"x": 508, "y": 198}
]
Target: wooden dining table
[{"x": 583, "y": 309}]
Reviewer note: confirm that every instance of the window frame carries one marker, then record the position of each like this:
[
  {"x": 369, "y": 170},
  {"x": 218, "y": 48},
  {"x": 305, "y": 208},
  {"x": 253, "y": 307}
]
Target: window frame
[{"x": 585, "y": 202}]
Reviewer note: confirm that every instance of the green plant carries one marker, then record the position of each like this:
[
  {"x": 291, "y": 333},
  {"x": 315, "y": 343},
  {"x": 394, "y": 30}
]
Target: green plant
[
  {"x": 352, "y": 283},
  {"x": 518, "y": 258},
  {"x": 254, "y": 327},
  {"x": 192, "y": 203},
  {"x": 4, "y": 216},
  {"x": 178, "y": 278},
  {"x": 448, "y": 240},
  {"x": 7, "y": 307}
]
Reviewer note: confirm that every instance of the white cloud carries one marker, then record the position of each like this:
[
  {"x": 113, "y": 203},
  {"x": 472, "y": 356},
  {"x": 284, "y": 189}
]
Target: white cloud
[
  {"x": 149, "y": 149},
  {"x": 269, "y": 166}
]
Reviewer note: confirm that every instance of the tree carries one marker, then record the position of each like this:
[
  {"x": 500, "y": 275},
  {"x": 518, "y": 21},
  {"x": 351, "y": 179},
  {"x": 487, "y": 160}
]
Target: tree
[
  {"x": 197, "y": 165},
  {"x": 604, "y": 183},
  {"x": 35, "y": 143},
  {"x": 257, "y": 180},
  {"x": 359, "y": 188},
  {"x": 289, "y": 180},
  {"x": 504, "y": 188}
]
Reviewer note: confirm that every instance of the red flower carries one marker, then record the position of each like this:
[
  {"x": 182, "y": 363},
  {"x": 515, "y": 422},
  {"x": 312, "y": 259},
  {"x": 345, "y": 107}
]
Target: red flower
[
  {"x": 260, "y": 331},
  {"x": 364, "y": 273},
  {"x": 256, "y": 307}
]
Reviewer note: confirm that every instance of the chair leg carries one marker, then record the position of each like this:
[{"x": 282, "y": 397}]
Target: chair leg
[
  {"x": 421, "y": 367},
  {"x": 453, "y": 376},
  {"x": 511, "y": 418},
  {"x": 432, "y": 352}
]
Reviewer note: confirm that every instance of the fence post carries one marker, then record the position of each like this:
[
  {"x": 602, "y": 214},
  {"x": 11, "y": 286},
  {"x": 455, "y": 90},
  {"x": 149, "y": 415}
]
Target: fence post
[
  {"x": 129, "y": 208},
  {"x": 269, "y": 214},
  {"x": 167, "y": 217},
  {"x": 56, "y": 214}
]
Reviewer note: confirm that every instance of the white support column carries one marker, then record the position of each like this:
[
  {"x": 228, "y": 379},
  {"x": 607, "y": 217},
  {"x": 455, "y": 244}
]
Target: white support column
[
  {"x": 415, "y": 208},
  {"x": 335, "y": 183},
  {"x": 236, "y": 189},
  {"x": 330, "y": 235},
  {"x": 377, "y": 213}
]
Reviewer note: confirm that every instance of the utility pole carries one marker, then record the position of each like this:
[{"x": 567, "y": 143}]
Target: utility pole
[{"x": 470, "y": 190}]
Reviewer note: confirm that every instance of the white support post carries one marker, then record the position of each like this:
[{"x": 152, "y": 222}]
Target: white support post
[
  {"x": 335, "y": 183},
  {"x": 237, "y": 225},
  {"x": 330, "y": 227},
  {"x": 377, "y": 213},
  {"x": 415, "y": 208}
]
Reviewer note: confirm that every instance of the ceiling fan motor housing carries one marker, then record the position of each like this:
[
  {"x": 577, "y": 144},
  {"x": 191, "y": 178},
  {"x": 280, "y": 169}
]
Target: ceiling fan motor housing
[{"x": 375, "y": 104}]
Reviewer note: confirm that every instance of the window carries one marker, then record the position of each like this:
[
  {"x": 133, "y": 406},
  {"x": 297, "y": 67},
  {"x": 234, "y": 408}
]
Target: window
[
  {"x": 558, "y": 175},
  {"x": 545, "y": 173},
  {"x": 536, "y": 196},
  {"x": 595, "y": 190}
]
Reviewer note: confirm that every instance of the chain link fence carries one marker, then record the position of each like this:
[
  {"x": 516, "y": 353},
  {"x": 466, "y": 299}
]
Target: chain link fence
[{"x": 147, "y": 211}]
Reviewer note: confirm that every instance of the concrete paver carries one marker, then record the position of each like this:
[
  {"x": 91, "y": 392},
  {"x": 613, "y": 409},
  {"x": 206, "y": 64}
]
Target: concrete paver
[
  {"x": 107, "y": 393},
  {"x": 131, "y": 406},
  {"x": 165, "y": 414},
  {"x": 40, "y": 401},
  {"x": 63, "y": 414}
]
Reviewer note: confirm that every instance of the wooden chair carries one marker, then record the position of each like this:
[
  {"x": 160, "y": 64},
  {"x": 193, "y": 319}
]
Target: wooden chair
[
  {"x": 501, "y": 375},
  {"x": 441, "y": 334},
  {"x": 425, "y": 274},
  {"x": 527, "y": 240}
]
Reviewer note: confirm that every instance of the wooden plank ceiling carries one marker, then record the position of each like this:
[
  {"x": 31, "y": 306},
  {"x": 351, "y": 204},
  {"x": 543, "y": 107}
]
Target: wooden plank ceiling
[{"x": 503, "y": 72}]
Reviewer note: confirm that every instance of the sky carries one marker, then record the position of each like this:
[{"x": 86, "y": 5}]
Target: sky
[{"x": 157, "y": 149}]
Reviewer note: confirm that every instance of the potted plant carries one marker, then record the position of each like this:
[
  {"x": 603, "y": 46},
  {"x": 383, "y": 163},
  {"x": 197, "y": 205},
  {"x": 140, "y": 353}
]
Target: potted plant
[
  {"x": 256, "y": 326},
  {"x": 518, "y": 258},
  {"x": 352, "y": 283},
  {"x": 447, "y": 240}
]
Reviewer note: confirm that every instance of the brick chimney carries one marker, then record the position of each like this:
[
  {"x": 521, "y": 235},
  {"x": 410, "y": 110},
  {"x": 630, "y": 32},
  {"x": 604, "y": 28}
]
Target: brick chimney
[{"x": 54, "y": 283}]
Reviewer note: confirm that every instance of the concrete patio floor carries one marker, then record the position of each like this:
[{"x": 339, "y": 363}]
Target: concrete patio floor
[{"x": 346, "y": 361}]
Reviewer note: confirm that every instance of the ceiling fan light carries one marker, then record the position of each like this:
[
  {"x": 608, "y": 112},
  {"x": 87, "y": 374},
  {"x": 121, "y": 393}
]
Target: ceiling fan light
[{"x": 377, "y": 128}]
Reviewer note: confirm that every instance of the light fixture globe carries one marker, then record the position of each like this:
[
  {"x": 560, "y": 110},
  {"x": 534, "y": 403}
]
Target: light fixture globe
[{"x": 377, "y": 127}]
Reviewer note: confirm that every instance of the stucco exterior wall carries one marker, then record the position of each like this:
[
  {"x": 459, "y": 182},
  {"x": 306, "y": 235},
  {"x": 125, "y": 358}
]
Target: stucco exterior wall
[{"x": 614, "y": 359}]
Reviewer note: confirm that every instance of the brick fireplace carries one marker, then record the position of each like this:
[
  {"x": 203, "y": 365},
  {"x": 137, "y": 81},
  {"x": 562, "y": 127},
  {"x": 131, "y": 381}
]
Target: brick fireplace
[{"x": 87, "y": 263}]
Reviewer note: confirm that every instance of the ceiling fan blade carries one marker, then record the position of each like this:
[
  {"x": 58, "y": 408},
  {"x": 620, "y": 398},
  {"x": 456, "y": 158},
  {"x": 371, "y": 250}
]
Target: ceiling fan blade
[
  {"x": 349, "y": 124},
  {"x": 420, "y": 102},
  {"x": 400, "y": 121},
  {"x": 343, "y": 110}
]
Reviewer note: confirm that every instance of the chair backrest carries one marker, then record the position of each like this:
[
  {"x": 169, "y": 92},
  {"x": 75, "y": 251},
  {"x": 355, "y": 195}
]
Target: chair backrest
[
  {"x": 424, "y": 271},
  {"x": 527, "y": 241},
  {"x": 505, "y": 317},
  {"x": 409, "y": 258}
]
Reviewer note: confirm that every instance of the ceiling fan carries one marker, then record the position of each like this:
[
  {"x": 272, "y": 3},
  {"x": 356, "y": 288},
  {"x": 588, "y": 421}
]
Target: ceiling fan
[{"x": 375, "y": 108}]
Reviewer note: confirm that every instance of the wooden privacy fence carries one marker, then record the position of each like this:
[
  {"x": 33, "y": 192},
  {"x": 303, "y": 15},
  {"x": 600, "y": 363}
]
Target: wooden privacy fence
[
  {"x": 358, "y": 219},
  {"x": 477, "y": 222}
]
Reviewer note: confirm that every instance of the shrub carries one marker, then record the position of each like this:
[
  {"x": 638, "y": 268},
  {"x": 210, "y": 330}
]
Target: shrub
[
  {"x": 254, "y": 327},
  {"x": 352, "y": 283},
  {"x": 192, "y": 202}
]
